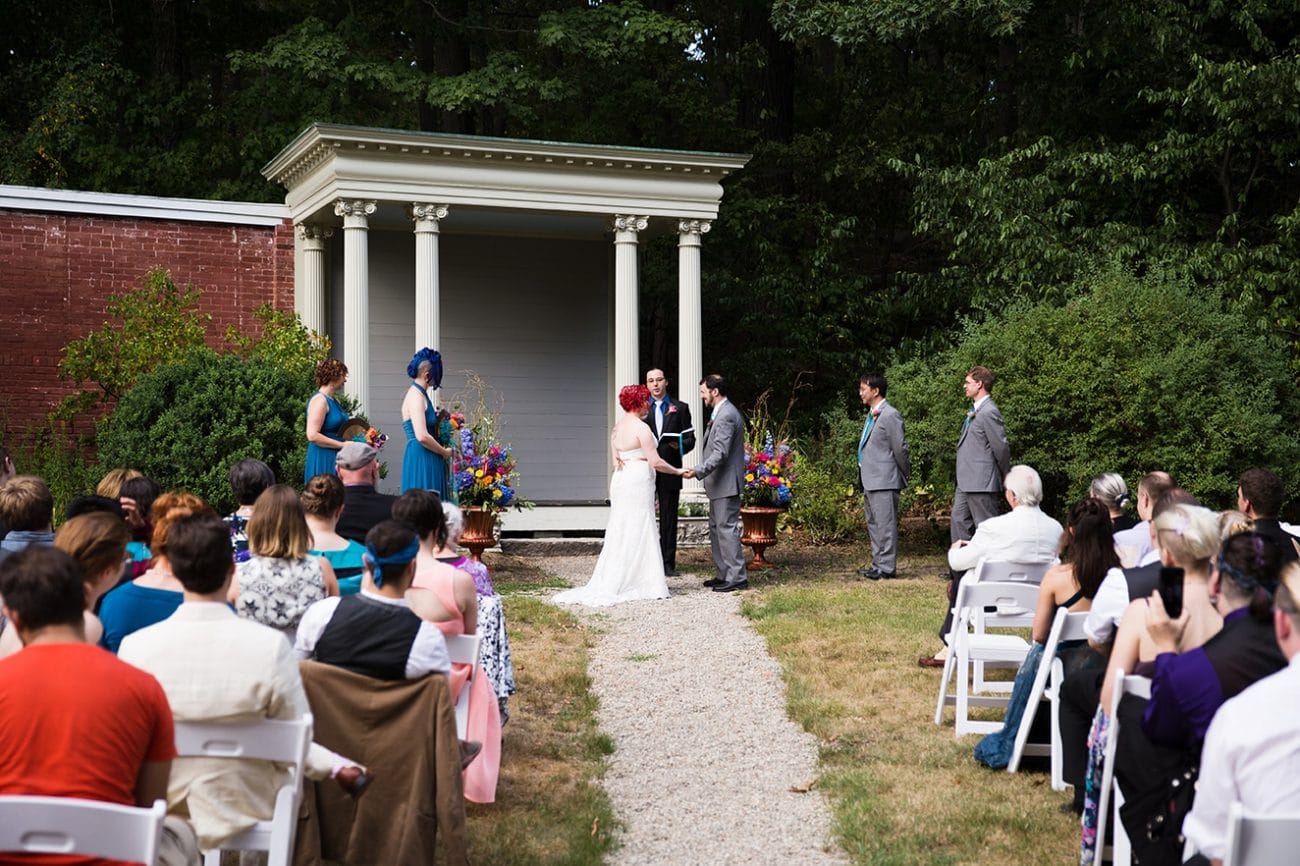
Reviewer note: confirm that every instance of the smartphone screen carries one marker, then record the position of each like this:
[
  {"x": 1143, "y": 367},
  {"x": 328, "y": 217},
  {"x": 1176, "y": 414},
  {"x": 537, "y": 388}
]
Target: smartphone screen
[{"x": 1171, "y": 591}]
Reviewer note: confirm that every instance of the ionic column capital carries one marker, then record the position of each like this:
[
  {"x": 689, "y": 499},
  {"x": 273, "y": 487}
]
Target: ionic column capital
[
  {"x": 694, "y": 227},
  {"x": 355, "y": 208},
  {"x": 310, "y": 232},
  {"x": 632, "y": 224},
  {"x": 426, "y": 212}
]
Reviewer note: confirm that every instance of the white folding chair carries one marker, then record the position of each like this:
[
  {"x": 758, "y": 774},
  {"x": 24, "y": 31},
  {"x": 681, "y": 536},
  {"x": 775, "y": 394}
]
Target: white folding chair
[
  {"x": 1003, "y": 571},
  {"x": 968, "y": 646},
  {"x": 70, "y": 825},
  {"x": 464, "y": 649},
  {"x": 1065, "y": 627},
  {"x": 285, "y": 742},
  {"x": 1261, "y": 840},
  {"x": 1109, "y": 797}
]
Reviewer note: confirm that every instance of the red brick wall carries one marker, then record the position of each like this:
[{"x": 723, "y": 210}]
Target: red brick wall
[{"x": 57, "y": 271}]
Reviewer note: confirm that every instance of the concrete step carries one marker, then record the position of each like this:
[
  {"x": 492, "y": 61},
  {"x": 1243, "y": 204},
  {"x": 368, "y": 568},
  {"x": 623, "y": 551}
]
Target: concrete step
[{"x": 578, "y": 546}]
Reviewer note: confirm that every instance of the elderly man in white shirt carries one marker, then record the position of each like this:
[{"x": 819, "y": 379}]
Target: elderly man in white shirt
[
  {"x": 1252, "y": 749},
  {"x": 1025, "y": 534}
]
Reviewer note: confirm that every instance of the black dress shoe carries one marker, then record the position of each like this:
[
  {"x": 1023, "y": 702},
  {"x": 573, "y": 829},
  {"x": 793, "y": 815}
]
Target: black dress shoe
[
  {"x": 670, "y": 572},
  {"x": 732, "y": 587},
  {"x": 882, "y": 575},
  {"x": 870, "y": 573},
  {"x": 715, "y": 582}
]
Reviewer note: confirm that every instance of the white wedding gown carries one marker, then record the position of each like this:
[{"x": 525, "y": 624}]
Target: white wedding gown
[{"x": 630, "y": 565}]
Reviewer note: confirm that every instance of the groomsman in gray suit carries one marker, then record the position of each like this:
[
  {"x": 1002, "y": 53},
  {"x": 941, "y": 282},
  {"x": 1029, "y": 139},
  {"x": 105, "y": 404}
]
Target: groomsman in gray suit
[
  {"x": 983, "y": 458},
  {"x": 722, "y": 468},
  {"x": 883, "y": 465}
]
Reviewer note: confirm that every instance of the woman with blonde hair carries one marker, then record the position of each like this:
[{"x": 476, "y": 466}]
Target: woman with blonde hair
[
  {"x": 110, "y": 486},
  {"x": 322, "y": 500},
  {"x": 154, "y": 595},
  {"x": 279, "y": 581}
]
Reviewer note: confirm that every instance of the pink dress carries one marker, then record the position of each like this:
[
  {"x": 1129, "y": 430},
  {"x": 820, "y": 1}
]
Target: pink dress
[{"x": 484, "y": 722}]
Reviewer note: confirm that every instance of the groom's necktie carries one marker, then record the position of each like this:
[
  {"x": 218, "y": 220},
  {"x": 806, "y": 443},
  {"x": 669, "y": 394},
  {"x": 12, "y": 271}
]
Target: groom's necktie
[{"x": 969, "y": 415}]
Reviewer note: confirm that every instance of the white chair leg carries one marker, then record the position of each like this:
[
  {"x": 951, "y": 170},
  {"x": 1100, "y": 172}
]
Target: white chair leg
[{"x": 944, "y": 682}]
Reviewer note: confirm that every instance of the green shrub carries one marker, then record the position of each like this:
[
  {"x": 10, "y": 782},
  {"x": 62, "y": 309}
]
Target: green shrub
[
  {"x": 56, "y": 459},
  {"x": 185, "y": 424},
  {"x": 827, "y": 507},
  {"x": 1129, "y": 375}
]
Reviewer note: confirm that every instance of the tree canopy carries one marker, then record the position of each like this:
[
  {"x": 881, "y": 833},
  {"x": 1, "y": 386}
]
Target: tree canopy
[{"x": 916, "y": 162}]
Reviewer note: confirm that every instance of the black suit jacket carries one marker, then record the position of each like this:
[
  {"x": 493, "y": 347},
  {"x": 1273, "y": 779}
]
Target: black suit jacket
[
  {"x": 1270, "y": 528},
  {"x": 677, "y": 419},
  {"x": 1142, "y": 580},
  {"x": 363, "y": 509}
]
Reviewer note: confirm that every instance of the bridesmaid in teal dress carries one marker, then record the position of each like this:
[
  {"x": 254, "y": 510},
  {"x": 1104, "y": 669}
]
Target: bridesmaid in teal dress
[
  {"x": 325, "y": 417},
  {"x": 425, "y": 461}
]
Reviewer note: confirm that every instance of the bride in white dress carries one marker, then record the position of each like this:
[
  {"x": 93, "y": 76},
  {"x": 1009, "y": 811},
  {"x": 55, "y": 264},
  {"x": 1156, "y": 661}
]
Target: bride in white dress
[{"x": 630, "y": 565}]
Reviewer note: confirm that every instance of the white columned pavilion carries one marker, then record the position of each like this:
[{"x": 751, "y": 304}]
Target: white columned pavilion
[{"x": 497, "y": 253}]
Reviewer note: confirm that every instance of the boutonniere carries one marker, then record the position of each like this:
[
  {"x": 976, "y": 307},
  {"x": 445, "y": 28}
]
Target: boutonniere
[
  {"x": 970, "y": 414},
  {"x": 875, "y": 412},
  {"x": 672, "y": 408}
]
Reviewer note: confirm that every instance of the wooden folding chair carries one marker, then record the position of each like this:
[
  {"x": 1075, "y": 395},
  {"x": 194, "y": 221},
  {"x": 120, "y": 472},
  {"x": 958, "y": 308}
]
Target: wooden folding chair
[
  {"x": 967, "y": 646},
  {"x": 285, "y": 742},
  {"x": 70, "y": 825},
  {"x": 1065, "y": 627}
]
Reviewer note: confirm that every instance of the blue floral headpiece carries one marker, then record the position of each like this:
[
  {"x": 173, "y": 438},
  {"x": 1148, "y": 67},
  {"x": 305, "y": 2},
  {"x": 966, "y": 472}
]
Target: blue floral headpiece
[{"x": 435, "y": 363}]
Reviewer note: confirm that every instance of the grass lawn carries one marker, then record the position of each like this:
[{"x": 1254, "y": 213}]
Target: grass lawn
[
  {"x": 550, "y": 808},
  {"x": 903, "y": 791}
]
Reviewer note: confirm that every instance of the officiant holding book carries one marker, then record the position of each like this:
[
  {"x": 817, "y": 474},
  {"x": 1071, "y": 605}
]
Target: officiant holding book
[{"x": 670, "y": 421}]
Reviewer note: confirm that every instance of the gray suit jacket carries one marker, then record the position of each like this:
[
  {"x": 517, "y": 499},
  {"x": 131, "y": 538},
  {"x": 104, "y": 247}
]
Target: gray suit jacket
[
  {"x": 722, "y": 458},
  {"x": 983, "y": 455},
  {"x": 883, "y": 462}
]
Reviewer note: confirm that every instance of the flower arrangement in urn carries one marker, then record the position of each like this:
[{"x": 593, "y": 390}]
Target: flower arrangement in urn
[
  {"x": 484, "y": 473},
  {"x": 769, "y": 462}
]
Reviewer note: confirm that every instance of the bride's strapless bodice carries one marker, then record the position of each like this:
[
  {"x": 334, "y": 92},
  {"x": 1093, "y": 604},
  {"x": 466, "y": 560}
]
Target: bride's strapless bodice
[{"x": 631, "y": 455}]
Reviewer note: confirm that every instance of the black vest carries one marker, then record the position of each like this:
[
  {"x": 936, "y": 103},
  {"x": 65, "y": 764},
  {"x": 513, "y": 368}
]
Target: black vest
[
  {"x": 369, "y": 637},
  {"x": 1243, "y": 653}
]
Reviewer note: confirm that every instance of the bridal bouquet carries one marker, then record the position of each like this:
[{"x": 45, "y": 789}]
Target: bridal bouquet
[{"x": 769, "y": 473}]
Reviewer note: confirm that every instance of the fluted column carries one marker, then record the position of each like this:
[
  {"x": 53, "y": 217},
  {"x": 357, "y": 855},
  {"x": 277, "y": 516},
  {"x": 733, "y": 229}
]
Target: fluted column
[
  {"x": 627, "y": 358},
  {"x": 690, "y": 332},
  {"x": 311, "y": 240},
  {"x": 428, "y": 298},
  {"x": 356, "y": 296}
]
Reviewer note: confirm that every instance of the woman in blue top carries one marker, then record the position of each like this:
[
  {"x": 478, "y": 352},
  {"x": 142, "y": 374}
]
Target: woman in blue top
[
  {"x": 322, "y": 500},
  {"x": 325, "y": 417},
  {"x": 425, "y": 461}
]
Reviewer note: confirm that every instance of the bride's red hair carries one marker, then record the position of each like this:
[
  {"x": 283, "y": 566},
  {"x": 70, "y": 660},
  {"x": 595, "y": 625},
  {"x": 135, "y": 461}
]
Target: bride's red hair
[{"x": 633, "y": 397}]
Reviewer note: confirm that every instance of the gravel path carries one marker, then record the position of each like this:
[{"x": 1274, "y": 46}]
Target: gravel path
[{"x": 707, "y": 763}]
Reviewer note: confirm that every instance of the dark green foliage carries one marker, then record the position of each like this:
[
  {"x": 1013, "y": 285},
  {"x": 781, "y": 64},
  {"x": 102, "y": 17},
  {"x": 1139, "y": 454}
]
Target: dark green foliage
[
  {"x": 185, "y": 424},
  {"x": 1129, "y": 375}
]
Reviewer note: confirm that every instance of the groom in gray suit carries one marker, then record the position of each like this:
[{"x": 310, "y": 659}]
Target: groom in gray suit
[
  {"x": 722, "y": 468},
  {"x": 983, "y": 458},
  {"x": 883, "y": 465}
]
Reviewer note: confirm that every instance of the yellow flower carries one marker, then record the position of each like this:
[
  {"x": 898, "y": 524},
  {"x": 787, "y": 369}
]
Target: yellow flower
[
  {"x": 749, "y": 476},
  {"x": 478, "y": 473},
  {"x": 496, "y": 494}
]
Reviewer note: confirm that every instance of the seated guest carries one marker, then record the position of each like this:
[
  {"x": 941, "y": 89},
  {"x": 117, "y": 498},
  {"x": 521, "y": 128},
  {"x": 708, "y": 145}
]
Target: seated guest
[
  {"x": 248, "y": 478},
  {"x": 1110, "y": 488},
  {"x": 217, "y": 667},
  {"x": 375, "y": 632},
  {"x": 363, "y": 507},
  {"x": 74, "y": 720},
  {"x": 1087, "y": 552},
  {"x": 27, "y": 508},
  {"x": 1259, "y": 496},
  {"x": 138, "y": 496},
  {"x": 97, "y": 541},
  {"x": 1134, "y": 544},
  {"x": 455, "y": 592},
  {"x": 110, "y": 485},
  {"x": 1025, "y": 534},
  {"x": 1233, "y": 523},
  {"x": 491, "y": 613},
  {"x": 91, "y": 503},
  {"x": 154, "y": 595},
  {"x": 280, "y": 580},
  {"x": 1251, "y": 746},
  {"x": 322, "y": 501}
]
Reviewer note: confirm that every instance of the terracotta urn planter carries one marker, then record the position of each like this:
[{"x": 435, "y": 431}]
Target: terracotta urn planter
[
  {"x": 758, "y": 531},
  {"x": 480, "y": 531}
]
